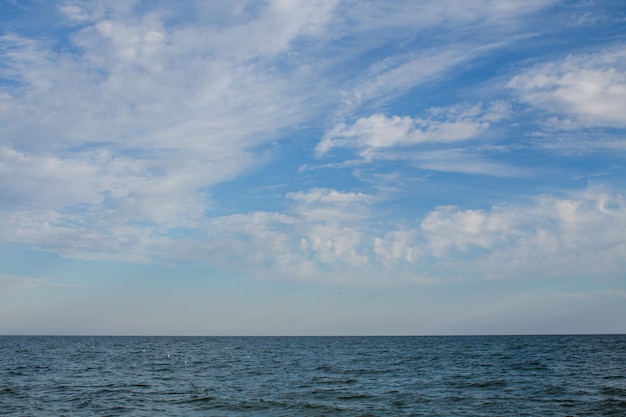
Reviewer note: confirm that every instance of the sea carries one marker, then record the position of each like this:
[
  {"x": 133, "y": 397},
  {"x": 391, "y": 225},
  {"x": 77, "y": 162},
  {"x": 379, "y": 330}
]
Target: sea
[{"x": 581, "y": 375}]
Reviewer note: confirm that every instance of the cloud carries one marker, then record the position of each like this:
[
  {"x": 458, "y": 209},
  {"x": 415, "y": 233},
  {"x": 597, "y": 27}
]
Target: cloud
[
  {"x": 145, "y": 80},
  {"x": 586, "y": 90},
  {"x": 575, "y": 295},
  {"x": 547, "y": 237},
  {"x": 325, "y": 195},
  {"x": 426, "y": 14},
  {"x": 113, "y": 140},
  {"x": 459, "y": 160},
  {"x": 115, "y": 136},
  {"x": 74, "y": 13},
  {"x": 334, "y": 245},
  {"x": 322, "y": 237},
  {"x": 332, "y": 236},
  {"x": 330, "y": 224},
  {"x": 394, "y": 76},
  {"x": 445, "y": 125},
  {"x": 138, "y": 112},
  {"x": 612, "y": 293},
  {"x": 601, "y": 294},
  {"x": 327, "y": 204},
  {"x": 474, "y": 31},
  {"x": 10, "y": 283},
  {"x": 552, "y": 236}
]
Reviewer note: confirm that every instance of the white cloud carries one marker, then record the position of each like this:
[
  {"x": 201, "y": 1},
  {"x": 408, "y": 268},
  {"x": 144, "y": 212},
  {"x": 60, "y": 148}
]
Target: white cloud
[
  {"x": 448, "y": 228},
  {"x": 29, "y": 180},
  {"x": 398, "y": 246},
  {"x": 548, "y": 237},
  {"x": 326, "y": 195},
  {"x": 589, "y": 89},
  {"x": 330, "y": 205},
  {"x": 331, "y": 237},
  {"x": 74, "y": 13},
  {"x": 335, "y": 244},
  {"x": 452, "y": 124},
  {"x": 330, "y": 224},
  {"x": 284, "y": 246},
  {"x": 115, "y": 186},
  {"x": 460, "y": 161},
  {"x": 323, "y": 237}
]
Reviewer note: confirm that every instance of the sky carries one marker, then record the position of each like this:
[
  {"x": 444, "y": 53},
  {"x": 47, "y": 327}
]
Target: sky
[{"x": 312, "y": 167}]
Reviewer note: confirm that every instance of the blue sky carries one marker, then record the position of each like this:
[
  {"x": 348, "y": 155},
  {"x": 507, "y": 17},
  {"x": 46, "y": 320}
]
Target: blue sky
[{"x": 312, "y": 167}]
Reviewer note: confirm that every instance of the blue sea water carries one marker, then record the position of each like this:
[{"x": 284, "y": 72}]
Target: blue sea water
[{"x": 313, "y": 376}]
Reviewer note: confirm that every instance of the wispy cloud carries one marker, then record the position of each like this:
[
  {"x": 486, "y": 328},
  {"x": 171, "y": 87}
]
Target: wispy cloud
[
  {"x": 575, "y": 295},
  {"x": 459, "y": 160},
  {"x": 10, "y": 283},
  {"x": 388, "y": 78}
]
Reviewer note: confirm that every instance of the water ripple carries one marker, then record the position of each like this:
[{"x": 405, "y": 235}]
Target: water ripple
[{"x": 313, "y": 376}]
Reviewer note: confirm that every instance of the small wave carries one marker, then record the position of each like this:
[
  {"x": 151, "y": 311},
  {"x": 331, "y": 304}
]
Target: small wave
[
  {"x": 462, "y": 383},
  {"x": 7, "y": 390},
  {"x": 330, "y": 380},
  {"x": 616, "y": 391},
  {"x": 15, "y": 372},
  {"x": 533, "y": 365},
  {"x": 489, "y": 384},
  {"x": 554, "y": 390},
  {"x": 356, "y": 396},
  {"x": 614, "y": 376},
  {"x": 611, "y": 407},
  {"x": 203, "y": 400}
]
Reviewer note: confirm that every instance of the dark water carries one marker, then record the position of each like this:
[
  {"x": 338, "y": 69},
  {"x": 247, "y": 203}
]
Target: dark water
[{"x": 313, "y": 376}]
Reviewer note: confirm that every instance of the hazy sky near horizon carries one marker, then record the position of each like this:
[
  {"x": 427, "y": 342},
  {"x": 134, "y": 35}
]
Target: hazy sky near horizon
[{"x": 312, "y": 167}]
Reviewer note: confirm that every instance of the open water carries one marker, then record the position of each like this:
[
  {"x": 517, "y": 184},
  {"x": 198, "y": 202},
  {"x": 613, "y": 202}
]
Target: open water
[{"x": 313, "y": 376}]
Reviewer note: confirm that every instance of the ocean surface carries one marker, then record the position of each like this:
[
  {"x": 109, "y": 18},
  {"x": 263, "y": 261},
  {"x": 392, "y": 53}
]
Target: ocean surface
[{"x": 313, "y": 376}]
